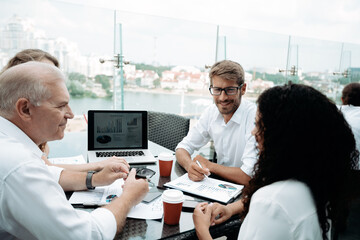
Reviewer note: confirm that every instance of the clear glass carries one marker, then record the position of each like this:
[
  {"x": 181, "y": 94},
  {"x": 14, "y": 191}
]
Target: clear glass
[
  {"x": 168, "y": 58},
  {"x": 261, "y": 54},
  {"x": 78, "y": 36},
  {"x": 318, "y": 64},
  {"x": 350, "y": 63}
]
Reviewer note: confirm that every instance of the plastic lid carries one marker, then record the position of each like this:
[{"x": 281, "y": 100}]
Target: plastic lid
[
  {"x": 172, "y": 196},
  {"x": 165, "y": 156}
]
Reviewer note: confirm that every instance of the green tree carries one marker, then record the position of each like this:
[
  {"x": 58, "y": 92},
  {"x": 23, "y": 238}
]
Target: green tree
[
  {"x": 157, "y": 83},
  {"x": 90, "y": 94},
  {"x": 277, "y": 79},
  {"x": 138, "y": 81},
  {"x": 157, "y": 69},
  {"x": 109, "y": 94},
  {"x": 77, "y": 76},
  {"x": 75, "y": 88},
  {"x": 104, "y": 81}
]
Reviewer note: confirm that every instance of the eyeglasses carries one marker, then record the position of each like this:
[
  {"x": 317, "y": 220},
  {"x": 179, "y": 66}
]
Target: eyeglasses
[{"x": 228, "y": 90}]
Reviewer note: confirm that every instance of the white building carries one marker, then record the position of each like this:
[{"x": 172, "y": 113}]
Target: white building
[
  {"x": 177, "y": 78},
  {"x": 19, "y": 34},
  {"x": 149, "y": 77}
]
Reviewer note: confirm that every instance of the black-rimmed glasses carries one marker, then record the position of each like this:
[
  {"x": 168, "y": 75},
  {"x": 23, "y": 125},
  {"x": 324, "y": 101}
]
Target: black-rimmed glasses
[{"x": 216, "y": 91}]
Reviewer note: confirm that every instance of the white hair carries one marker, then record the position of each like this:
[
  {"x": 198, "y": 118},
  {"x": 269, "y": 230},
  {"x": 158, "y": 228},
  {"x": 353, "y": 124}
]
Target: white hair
[{"x": 29, "y": 80}]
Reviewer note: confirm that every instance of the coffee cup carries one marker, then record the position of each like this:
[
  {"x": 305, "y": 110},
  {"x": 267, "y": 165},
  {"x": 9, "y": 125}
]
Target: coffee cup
[
  {"x": 165, "y": 164},
  {"x": 172, "y": 203}
]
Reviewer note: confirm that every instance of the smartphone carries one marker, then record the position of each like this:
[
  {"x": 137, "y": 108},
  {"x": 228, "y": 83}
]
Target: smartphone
[
  {"x": 143, "y": 172},
  {"x": 189, "y": 206}
]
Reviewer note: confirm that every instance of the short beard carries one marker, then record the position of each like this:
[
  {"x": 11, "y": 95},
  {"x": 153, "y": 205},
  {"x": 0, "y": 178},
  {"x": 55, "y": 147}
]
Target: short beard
[{"x": 230, "y": 111}]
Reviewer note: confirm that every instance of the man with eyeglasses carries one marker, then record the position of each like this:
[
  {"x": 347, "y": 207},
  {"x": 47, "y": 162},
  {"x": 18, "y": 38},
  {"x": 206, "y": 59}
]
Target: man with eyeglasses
[{"x": 228, "y": 122}]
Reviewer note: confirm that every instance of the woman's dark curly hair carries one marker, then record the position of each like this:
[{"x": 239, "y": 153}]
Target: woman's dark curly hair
[{"x": 303, "y": 136}]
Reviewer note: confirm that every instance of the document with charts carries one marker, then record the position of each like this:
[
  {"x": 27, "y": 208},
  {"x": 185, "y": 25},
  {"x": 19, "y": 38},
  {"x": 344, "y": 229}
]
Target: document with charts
[
  {"x": 210, "y": 188},
  {"x": 79, "y": 159},
  {"x": 99, "y": 196}
]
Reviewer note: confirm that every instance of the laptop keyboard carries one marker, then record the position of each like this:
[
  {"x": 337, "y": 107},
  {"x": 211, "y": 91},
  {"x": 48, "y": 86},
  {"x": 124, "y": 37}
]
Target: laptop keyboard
[{"x": 120, "y": 154}]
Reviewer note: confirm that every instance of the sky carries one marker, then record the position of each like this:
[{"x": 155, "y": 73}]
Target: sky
[
  {"x": 336, "y": 20},
  {"x": 174, "y": 32}
]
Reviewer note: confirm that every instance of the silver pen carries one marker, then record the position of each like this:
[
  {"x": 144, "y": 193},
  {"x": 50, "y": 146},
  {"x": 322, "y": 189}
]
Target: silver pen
[{"x": 198, "y": 163}]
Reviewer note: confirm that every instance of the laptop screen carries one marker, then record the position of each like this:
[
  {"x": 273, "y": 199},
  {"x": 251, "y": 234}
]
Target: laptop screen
[{"x": 117, "y": 129}]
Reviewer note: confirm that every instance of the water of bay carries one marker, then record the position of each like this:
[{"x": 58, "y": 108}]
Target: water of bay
[{"x": 160, "y": 102}]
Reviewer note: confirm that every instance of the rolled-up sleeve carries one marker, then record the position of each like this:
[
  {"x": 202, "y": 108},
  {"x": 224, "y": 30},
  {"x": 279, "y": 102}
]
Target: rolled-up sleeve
[
  {"x": 198, "y": 136},
  {"x": 105, "y": 223},
  {"x": 249, "y": 157},
  {"x": 55, "y": 172}
]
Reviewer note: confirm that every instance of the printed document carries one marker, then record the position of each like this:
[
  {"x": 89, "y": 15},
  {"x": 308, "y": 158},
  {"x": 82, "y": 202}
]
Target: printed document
[
  {"x": 213, "y": 189},
  {"x": 103, "y": 195},
  {"x": 68, "y": 160}
]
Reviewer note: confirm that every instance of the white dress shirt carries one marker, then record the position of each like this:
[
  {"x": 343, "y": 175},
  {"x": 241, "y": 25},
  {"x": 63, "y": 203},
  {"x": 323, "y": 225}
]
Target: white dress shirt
[
  {"x": 55, "y": 172},
  {"x": 281, "y": 211},
  {"x": 32, "y": 203},
  {"x": 234, "y": 144},
  {"x": 352, "y": 116}
]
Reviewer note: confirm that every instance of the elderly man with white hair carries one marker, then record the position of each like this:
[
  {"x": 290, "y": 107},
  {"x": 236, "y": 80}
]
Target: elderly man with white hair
[{"x": 34, "y": 109}]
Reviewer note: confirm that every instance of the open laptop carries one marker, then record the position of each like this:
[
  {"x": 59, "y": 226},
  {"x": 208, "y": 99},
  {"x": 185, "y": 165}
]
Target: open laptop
[{"x": 118, "y": 133}]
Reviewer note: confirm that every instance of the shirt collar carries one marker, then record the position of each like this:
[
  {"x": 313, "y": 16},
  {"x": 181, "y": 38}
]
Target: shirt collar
[{"x": 11, "y": 130}]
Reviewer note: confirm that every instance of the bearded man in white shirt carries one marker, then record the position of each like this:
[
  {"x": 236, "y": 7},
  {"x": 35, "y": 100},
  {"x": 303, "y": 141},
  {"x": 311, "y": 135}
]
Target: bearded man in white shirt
[
  {"x": 34, "y": 109},
  {"x": 228, "y": 122}
]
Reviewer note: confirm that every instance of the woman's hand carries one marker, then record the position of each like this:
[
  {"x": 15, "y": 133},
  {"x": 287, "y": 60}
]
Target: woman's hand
[
  {"x": 220, "y": 213},
  {"x": 202, "y": 220},
  {"x": 44, "y": 147}
]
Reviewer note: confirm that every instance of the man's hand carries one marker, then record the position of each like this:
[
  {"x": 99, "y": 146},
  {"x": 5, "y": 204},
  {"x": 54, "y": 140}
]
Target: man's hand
[
  {"x": 195, "y": 172},
  {"x": 135, "y": 189},
  {"x": 113, "y": 170},
  {"x": 102, "y": 164}
]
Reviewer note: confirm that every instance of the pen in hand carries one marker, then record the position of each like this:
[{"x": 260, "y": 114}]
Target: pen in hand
[{"x": 198, "y": 163}]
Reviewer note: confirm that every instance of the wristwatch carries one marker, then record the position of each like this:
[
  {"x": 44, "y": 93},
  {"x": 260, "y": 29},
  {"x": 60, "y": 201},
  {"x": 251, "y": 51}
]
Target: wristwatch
[{"x": 88, "y": 180}]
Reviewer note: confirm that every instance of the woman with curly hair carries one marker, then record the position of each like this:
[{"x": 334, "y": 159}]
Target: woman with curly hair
[{"x": 300, "y": 187}]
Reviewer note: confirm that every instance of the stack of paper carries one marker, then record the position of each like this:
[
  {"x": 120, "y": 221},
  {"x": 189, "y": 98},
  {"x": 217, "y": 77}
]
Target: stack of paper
[
  {"x": 98, "y": 197},
  {"x": 68, "y": 160}
]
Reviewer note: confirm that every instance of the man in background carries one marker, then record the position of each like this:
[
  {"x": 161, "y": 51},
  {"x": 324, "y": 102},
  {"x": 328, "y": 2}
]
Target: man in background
[
  {"x": 351, "y": 109},
  {"x": 228, "y": 122},
  {"x": 34, "y": 109}
]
